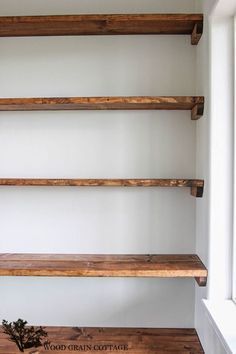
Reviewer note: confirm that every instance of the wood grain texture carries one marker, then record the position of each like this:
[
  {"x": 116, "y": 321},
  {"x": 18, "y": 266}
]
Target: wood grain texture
[
  {"x": 74, "y": 265},
  {"x": 63, "y": 25},
  {"x": 195, "y": 185},
  {"x": 104, "y": 103},
  {"x": 138, "y": 340},
  {"x": 136, "y": 182}
]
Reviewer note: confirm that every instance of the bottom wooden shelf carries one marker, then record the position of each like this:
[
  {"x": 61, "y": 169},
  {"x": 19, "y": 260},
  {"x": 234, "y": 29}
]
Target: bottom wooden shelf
[
  {"x": 93, "y": 265},
  {"x": 112, "y": 340}
]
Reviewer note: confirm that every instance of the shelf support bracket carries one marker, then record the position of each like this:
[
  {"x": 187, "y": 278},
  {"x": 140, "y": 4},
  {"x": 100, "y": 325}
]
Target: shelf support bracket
[
  {"x": 202, "y": 281},
  {"x": 196, "y": 33},
  {"x": 197, "y": 191},
  {"x": 197, "y": 111}
]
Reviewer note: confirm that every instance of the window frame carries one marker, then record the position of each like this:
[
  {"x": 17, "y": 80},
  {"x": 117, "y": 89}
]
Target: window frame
[{"x": 234, "y": 187}]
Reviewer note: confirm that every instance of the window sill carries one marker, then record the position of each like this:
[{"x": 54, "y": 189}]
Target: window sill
[{"x": 222, "y": 315}]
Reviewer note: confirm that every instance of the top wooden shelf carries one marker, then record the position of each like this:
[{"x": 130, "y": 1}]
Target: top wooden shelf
[{"x": 128, "y": 24}]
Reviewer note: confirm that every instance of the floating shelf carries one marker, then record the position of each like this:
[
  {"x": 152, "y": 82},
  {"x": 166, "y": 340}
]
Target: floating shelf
[
  {"x": 75, "y": 25},
  {"x": 193, "y": 103},
  {"x": 137, "y": 340},
  {"x": 196, "y": 185},
  {"x": 73, "y": 265}
]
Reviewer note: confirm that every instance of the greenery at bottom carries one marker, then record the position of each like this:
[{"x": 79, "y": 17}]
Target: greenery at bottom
[{"x": 24, "y": 336}]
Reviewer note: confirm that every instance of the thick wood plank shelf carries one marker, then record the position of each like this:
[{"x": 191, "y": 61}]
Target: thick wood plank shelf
[
  {"x": 193, "y": 103},
  {"x": 73, "y": 265},
  {"x": 90, "y": 340},
  {"x": 70, "y": 25},
  {"x": 195, "y": 185}
]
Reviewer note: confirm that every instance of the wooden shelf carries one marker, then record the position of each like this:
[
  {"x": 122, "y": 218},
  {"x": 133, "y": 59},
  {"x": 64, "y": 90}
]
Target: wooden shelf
[
  {"x": 70, "y": 25},
  {"x": 73, "y": 265},
  {"x": 193, "y": 103},
  {"x": 196, "y": 185},
  {"x": 138, "y": 340}
]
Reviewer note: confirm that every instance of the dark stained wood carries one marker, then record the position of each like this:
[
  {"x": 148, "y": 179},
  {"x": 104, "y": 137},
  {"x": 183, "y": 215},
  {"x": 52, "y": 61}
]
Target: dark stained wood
[
  {"x": 202, "y": 281},
  {"x": 197, "y": 33},
  {"x": 195, "y": 185},
  {"x": 138, "y": 341},
  {"x": 105, "y": 103},
  {"x": 197, "y": 111},
  {"x": 102, "y": 25},
  {"x": 197, "y": 191},
  {"x": 74, "y": 265}
]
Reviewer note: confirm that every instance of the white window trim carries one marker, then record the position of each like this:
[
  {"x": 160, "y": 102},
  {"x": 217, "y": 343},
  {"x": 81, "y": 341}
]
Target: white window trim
[
  {"x": 222, "y": 316},
  {"x": 234, "y": 225},
  {"x": 221, "y": 158},
  {"x": 219, "y": 306}
]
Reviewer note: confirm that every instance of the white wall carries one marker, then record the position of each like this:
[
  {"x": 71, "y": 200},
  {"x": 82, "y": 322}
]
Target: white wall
[{"x": 97, "y": 145}]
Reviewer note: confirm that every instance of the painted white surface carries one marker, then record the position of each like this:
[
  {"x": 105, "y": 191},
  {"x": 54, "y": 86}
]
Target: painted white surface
[
  {"x": 97, "y": 144},
  {"x": 225, "y": 8},
  {"x": 234, "y": 176},
  {"x": 44, "y": 7},
  {"x": 222, "y": 315},
  {"x": 209, "y": 334},
  {"x": 214, "y": 164},
  {"x": 221, "y": 154}
]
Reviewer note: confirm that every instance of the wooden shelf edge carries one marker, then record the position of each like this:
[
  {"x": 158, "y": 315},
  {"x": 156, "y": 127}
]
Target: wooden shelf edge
[
  {"x": 103, "y": 24},
  {"x": 195, "y": 185},
  {"x": 108, "y": 339},
  {"x": 193, "y": 103},
  {"x": 75, "y": 265}
]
